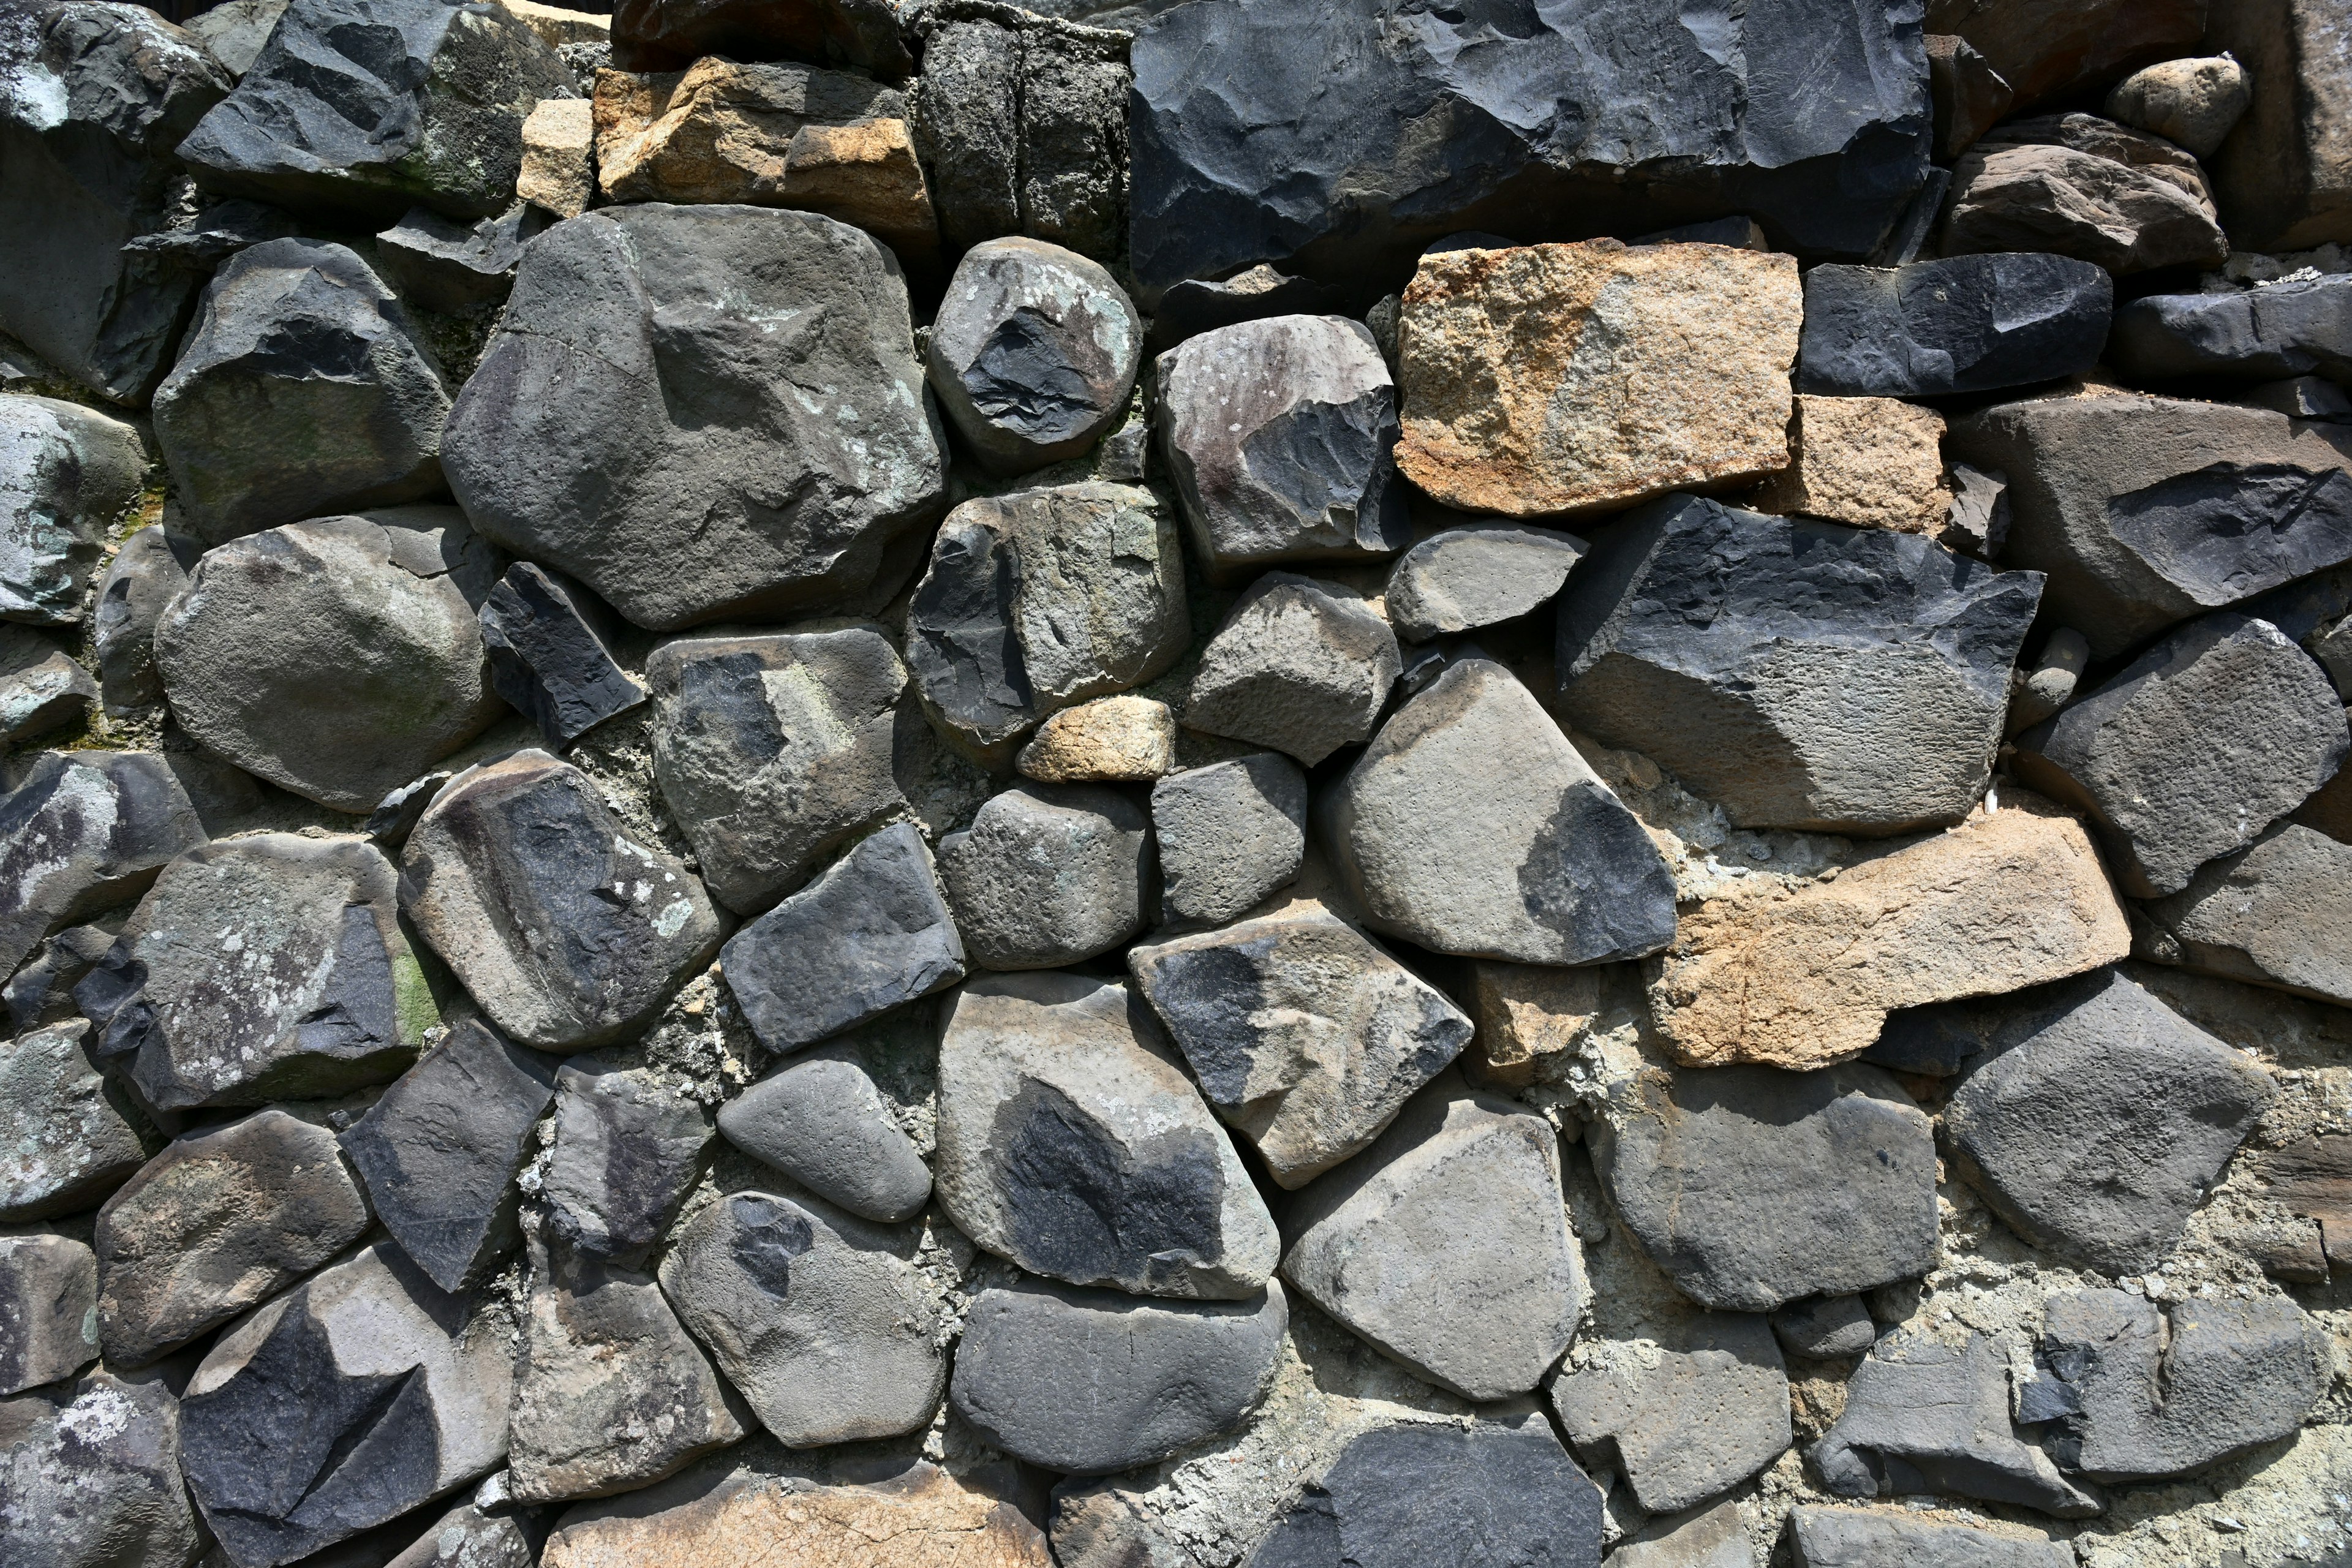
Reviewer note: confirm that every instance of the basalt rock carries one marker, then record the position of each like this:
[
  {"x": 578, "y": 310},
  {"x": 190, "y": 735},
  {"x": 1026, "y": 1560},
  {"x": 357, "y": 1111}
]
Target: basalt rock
[
  {"x": 1299, "y": 665},
  {"x": 68, "y": 1136},
  {"x": 821, "y": 1121},
  {"x": 92, "y": 1478},
  {"x": 1227, "y": 834},
  {"x": 1034, "y": 353},
  {"x": 1711, "y": 1413},
  {"x": 82, "y": 832},
  {"x": 41, "y": 993},
  {"x": 629, "y": 1146},
  {"x": 48, "y": 1310},
  {"x": 66, "y": 475},
  {"x": 1968, "y": 323},
  {"x": 2295, "y": 327},
  {"x": 1466, "y": 578},
  {"x": 2272, "y": 913},
  {"x": 661, "y": 35},
  {"x": 444, "y": 264},
  {"x": 42, "y": 687},
  {"x": 548, "y": 656},
  {"x": 1826, "y": 1326},
  {"x": 1870, "y": 1538},
  {"x": 2046, "y": 54},
  {"x": 1048, "y": 874},
  {"x": 147, "y": 574}
]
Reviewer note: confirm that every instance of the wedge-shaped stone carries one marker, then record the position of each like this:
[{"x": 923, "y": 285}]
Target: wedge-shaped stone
[
  {"x": 1034, "y": 353},
  {"x": 1302, "y": 666},
  {"x": 629, "y": 1146},
  {"x": 1047, "y": 874},
  {"x": 2078, "y": 204},
  {"x": 1870, "y": 1538},
  {"x": 145, "y": 575},
  {"x": 82, "y": 832},
  {"x": 68, "y": 1134},
  {"x": 821, "y": 1121},
  {"x": 547, "y": 655},
  {"x": 1966, "y": 323},
  {"x": 1466, "y": 578},
  {"x": 2296, "y": 326},
  {"x": 48, "y": 1310},
  {"x": 1227, "y": 834},
  {"x": 93, "y": 1478},
  {"x": 2276, "y": 914},
  {"x": 67, "y": 474},
  {"x": 1710, "y": 1414}
]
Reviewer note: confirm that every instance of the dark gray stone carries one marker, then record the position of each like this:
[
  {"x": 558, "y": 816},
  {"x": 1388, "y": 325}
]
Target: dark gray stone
[
  {"x": 1978, "y": 524},
  {"x": 2275, "y": 914},
  {"x": 92, "y": 1478},
  {"x": 146, "y": 574},
  {"x": 444, "y": 264},
  {"x": 440, "y": 1150},
  {"x": 1047, "y": 874},
  {"x": 1870, "y": 1538},
  {"x": 821, "y": 1121},
  {"x": 200, "y": 244},
  {"x": 235, "y": 31},
  {"x": 629, "y": 1146},
  {"x": 1801, "y": 674},
  {"x": 870, "y": 933},
  {"x": 1305, "y": 666},
  {"x": 1820, "y": 1327},
  {"x": 67, "y": 474},
  {"x": 670, "y": 34},
  {"x": 548, "y": 656},
  {"x": 1194, "y": 306},
  {"x": 82, "y": 832},
  {"x": 68, "y": 1134},
  {"x": 1228, "y": 835},
  {"x": 1971, "y": 323},
  {"x": 2296, "y": 326},
  {"x": 42, "y": 992},
  {"x": 1712, "y": 1412},
  {"x": 1712, "y": 1537},
  {"x": 397, "y": 815},
  {"x": 48, "y": 1310},
  {"x": 2051, "y": 684},
  {"x": 42, "y": 687},
  {"x": 2301, "y": 397},
  {"x": 1466, "y": 578}
]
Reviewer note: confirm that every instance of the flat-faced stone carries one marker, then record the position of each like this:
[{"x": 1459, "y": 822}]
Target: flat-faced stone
[
  {"x": 822, "y": 1121},
  {"x": 92, "y": 1478},
  {"x": 2274, "y": 913},
  {"x": 82, "y": 832},
  {"x": 1034, "y": 352},
  {"x": 1047, "y": 874},
  {"x": 67, "y": 474},
  {"x": 629, "y": 1146},
  {"x": 444, "y": 264},
  {"x": 2281, "y": 177},
  {"x": 468, "y": 1537},
  {"x": 1477, "y": 575},
  {"x": 1871, "y": 462},
  {"x": 1227, "y": 835},
  {"x": 558, "y": 170},
  {"x": 1302, "y": 665},
  {"x": 2293, "y": 327},
  {"x": 1872, "y": 1538},
  {"x": 1112, "y": 740},
  {"x": 48, "y": 1310},
  {"x": 1710, "y": 1414},
  {"x": 2067, "y": 202},
  {"x": 43, "y": 688},
  {"x": 1966, "y": 323},
  {"x": 68, "y": 1134},
  {"x": 547, "y": 655},
  {"x": 1822, "y": 1327}
]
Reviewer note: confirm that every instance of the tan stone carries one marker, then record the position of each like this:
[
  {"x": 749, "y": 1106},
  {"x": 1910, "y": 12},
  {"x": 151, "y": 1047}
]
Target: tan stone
[
  {"x": 556, "y": 27},
  {"x": 1564, "y": 378},
  {"x": 1872, "y": 462},
  {"x": 1531, "y": 1017},
  {"x": 1803, "y": 978},
  {"x": 559, "y": 156},
  {"x": 1119, "y": 739},
  {"x": 923, "y": 1519}
]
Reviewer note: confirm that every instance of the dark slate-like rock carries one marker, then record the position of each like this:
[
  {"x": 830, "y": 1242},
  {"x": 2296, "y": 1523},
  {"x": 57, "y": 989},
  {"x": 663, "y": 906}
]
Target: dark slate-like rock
[
  {"x": 1466, "y": 578},
  {"x": 92, "y": 1478},
  {"x": 440, "y": 1150},
  {"x": 821, "y": 1121},
  {"x": 146, "y": 574},
  {"x": 669, "y": 35},
  {"x": 633, "y": 423},
  {"x": 1228, "y": 835},
  {"x": 870, "y": 933},
  {"x": 1802, "y": 674},
  {"x": 1048, "y": 874},
  {"x": 444, "y": 264},
  {"x": 1088, "y": 1382},
  {"x": 1971, "y": 323},
  {"x": 1873, "y": 1538},
  {"x": 2297, "y": 326},
  {"x": 629, "y": 1146},
  {"x": 1194, "y": 306},
  {"x": 548, "y": 656},
  {"x": 1302, "y": 665},
  {"x": 83, "y": 832},
  {"x": 42, "y": 992},
  {"x": 68, "y": 1134},
  {"x": 1243, "y": 163},
  {"x": 67, "y": 474},
  {"x": 1822, "y": 1327},
  {"x": 1752, "y": 1188},
  {"x": 369, "y": 106},
  {"x": 48, "y": 1310},
  {"x": 2275, "y": 914},
  {"x": 1712, "y": 1412}
]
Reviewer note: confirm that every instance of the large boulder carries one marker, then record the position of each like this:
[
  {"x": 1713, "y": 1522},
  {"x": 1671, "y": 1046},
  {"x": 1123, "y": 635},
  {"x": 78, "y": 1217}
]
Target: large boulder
[
  {"x": 1048, "y": 874},
  {"x": 67, "y": 474},
  {"x": 2275, "y": 914},
  {"x": 1969, "y": 323},
  {"x": 2292, "y": 327},
  {"x": 633, "y": 423},
  {"x": 92, "y": 1478},
  {"x": 2281, "y": 177},
  {"x": 82, "y": 832},
  {"x": 1708, "y": 1412},
  {"x": 68, "y": 1133},
  {"x": 663, "y": 34}
]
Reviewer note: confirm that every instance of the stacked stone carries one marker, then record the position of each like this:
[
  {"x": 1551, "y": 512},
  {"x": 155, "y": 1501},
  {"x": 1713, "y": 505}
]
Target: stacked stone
[{"x": 1277, "y": 784}]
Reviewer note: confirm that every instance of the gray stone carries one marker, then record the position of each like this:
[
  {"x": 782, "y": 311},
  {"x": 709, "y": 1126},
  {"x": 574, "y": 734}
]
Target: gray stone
[
  {"x": 636, "y": 425},
  {"x": 1978, "y": 524},
  {"x": 1279, "y": 434},
  {"x": 1822, "y": 1327},
  {"x": 67, "y": 474},
  {"x": 547, "y": 655},
  {"x": 1752, "y": 1188},
  {"x": 145, "y": 575},
  {"x": 48, "y": 1310},
  {"x": 1070, "y": 1142},
  {"x": 2216, "y": 1379},
  {"x": 1228, "y": 835},
  {"x": 1047, "y": 874},
  {"x": 822, "y": 1321},
  {"x": 1195, "y": 306},
  {"x": 566, "y": 929},
  {"x": 872, "y": 933},
  {"x": 1872, "y": 1538},
  {"x": 1710, "y": 1414},
  {"x": 439, "y": 1152},
  {"x": 235, "y": 31},
  {"x": 1302, "y": 665},
  {"x": 364, "y": 107},
  {"x": 1037, "y": 601},
  {"x": 1471, "y": 826},
  {"x": 1034, "y": 352},
  {"x": 2104, "y": 210},
  {"x": 68, "y": 1134},
  {"x": 822, "y": 1121},
  {"x": 1478, "y": 575},
  {"x": 629, "y": 1147},
  {"x": 92, "y": 1480},
  {"x": 1303, "y": 1036},
  {"x": 397, "y": 815},
  {"x": 2050, "y": 685},
  {"x": 353, "y": 1398},
  {"x": 1927, "y": 1417},
  {"x": 2296, "y": 326},
  {"x": 1088, "y": 1382},
  {"x": 42, "y": 690},
  {"x": 2193, "y": 749},
  {"x": 1445, "y": 1245},
  {"x": 82, "y": 832},
  {"x": 220, "y": 1221},
  {"x": 466, "y": 1537},
  {"x": 773, "y": 751},
  {"x": 2277, "y": 913},
  {"x": 2300, "y": 397},
  {"x": 444, "y": 264},
  {"x": 42, "y": 992},
  {"x": 1704, "y": 1537},
  {"x": 1801, "y": 674},
  {"x": 667, "y": 35},
  {"x": 1966, "y": 323}
]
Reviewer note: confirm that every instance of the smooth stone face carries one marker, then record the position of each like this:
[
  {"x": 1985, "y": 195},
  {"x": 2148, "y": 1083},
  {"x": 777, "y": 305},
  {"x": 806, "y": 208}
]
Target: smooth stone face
[
  {"x": 440, "y": 1150},
  {"x": 48, "y": 1310},
  {"x": 1868, "y": 462},
  {"x": 630, "y": 426},
  {"x": 1466, "y": 578},
  {"x": 2281, "y": 178},
  {"x": 662, "y": 35},
  {"x": 42, "y": 689},
  {"x": 548, "y": 656},
  {"x": 82, "y": 832},
  {"x": 2069, "y": 203},
  {"x": 628, "y": 1148},
  {"x": 564, "y": 927},
  {"x": 2273, "y": 914},
  {"x": 93, "y": 1480},
  {"x": 2296, "y": 326},
  {"x": 1302, "y": 666},
  {"x": 1801, "y": 674},
  {"x": 1713, "y": 1412},
  {"x": 1034, "y": 352},
  {"x": 1228, "y": 835},
  {"x": 145, "y": 575},
  {"x": 284, "y": 1422},
  {"x": 1471, "y": 826},
  {"x": 1445, "y": 1245},
  {"x": 1847, "y": 1160},
  {"x": 1047, "y": 874},
  {"x": 1071, "y": 1144},
  {"x": 445, "y": 265},
  {"x": 219, "y": 1221},
  {"x": 1304, "y": 1037},
  {"x": 1871, "y": 1538},
  {"x": 66, "y": 474},
  {"x": 820, "y": 1121},
  {"x": 1113, "y": 740},
  {"x": 1823, "y": 1327},
  {"x": 68, "y": 1136},
  {"x": 1088, "y": 1382},
  {"x": 1967, "y": 323},
  {"x": 1707, "y": 1538},
  {"x": 822, "y": 1321}
]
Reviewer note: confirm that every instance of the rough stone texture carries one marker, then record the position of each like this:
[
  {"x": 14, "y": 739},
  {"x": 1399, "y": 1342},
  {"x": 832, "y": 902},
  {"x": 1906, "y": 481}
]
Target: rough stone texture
[
  {"x": 631, "y": 425},
  {"x": 42, "y": 689},
  {"x": 821, "y": 1121},
  {"x": 2194, "y": 103},
  {"x": 870, "y": 933},
  {"x": 1551, "y": 869},
  {"x": 66, "y": 474},
  {"x": 233, "y": 32},
  {"x": 2050, "y": 685},
  {"x": 2284, "y": 176},
  {"x": 628, "y": 1148},
  {"x": 2273, "y": 914},
  {"x": 661, "y": 35},
  {"x": 467, "y": 1537},
  {"x": 1278, "y": 434},
  {"x": 1300, "y": 665},
  {"x": 2296, "y": 326},
  {"x": 548, "y": 656},
  {"x": 1566, "y": 378},
  {"x": 146, "y": 574},
  {"x": 1873, "y": 1538},
  {"x": 1686, "y": 1155},
  {"x": 1034, "y": 352},
  {"x": 1088, "y": 1382},
  {"x": 444, "y": 264},
  {"x": 1532, "y": 1019},
  {"x": 68, "y": 1134},
  {"x": 2193, "y": 749},
  {"x": 218, "y": 1222},
  {"x": 1711, "y": 1413},
  {"x": 1978, "y": 524},
  {"x": 81, "y": 832},
  {"x": 1047, "y": 874},
  {"x": 1801, "y": 674},
  {"x": 1303, "y": 1036},
  {"x": 48, "y": 1310},
  {"x": 558, "y": 171},
  {"x": 565, "y": 927},
  {"x": 1703, "y": 1538},
  {"x": 1826, "y": 1326},
  {"x": 41, "y": 993},
  {"x": 1070, "y": 1142},
  {"x": 1969, "y": 323},
  {"x": 1872, "y": 462},
  {"x": 2101, "y": 210},
  {"x": 1228, "y": 835},
  {"x": 1970, "y": 95},
  {"x": 92, "y": 1478},
  {"x": 1115, "y": 740},
  {"x": 822, "y": 1321},
  {"x": 1466, "y": 578}
]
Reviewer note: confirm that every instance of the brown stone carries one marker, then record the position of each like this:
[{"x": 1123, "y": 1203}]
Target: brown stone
[
  {"x": 1803, "y": 978},
  {"x": 559, "y": 155},
  {"x": 2284, "y": 174},
  {"x": 1969, "y": 95},
  {"x": 2312, "y": 1178},
  {"x": 1119, "y": 740},
  {"x": 1564, "y": 378},
  {"x": 1873, "y": 462},
  {"x": 560, "y": 25},
  {"x": 1532, "y": 1018},
  {"x": 2046, "y": 51},
  {"x": 2122, "y": 217}
]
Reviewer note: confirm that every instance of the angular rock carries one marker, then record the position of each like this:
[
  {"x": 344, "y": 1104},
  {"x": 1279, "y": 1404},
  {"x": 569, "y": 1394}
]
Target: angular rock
[
  {"x": 1852, "y": 1161},
  {"x": 345, "y": 1402},
  {"x": 661, "y": 35},
  {"x": 444, "y": 264},
  {"x": 2150, "y": 155},
  {"x": 1046, "y": 875},
  {"x": 1551, "y": 869},
  {"x": 1113, "y": 740},
  {"x": 1193, "y": 307},
  {"x": 2040, "y": 198},
  {"x": 1302, "y": 666},
  {"x": 2193, "y": 102},
  {"x": 548, "y": 656},
  {"x": 48, "y": 1310},
  {"x": 2296, "y": 326},
  {"x": 467, "y": 1537},
  {"x": 94, "y": 1479},
  {"x": 68, "y": 1136},
  {"x": 1869, "y": 462},
  {"x": 397, "y": 815},
  {"x": 1565, "y": 378},
  {"x": 633, "y": 425},
  {"x": 1478, "y": 575},
  {"x": 42, "y": 992},
  {"x": 1970, "y": 95},
  {"x": 1533, "y": 1020},
  {"x": 1710, "y": 1414},
  {"x": 2301, "y": 397},
  {"x": 2045, "y": 53},
  {"x": 234, "y": 33},
  {"x": 1968, "y": 323},
  {"x": 821, "y": 1320},
  {"x": 2275, "y": 914},
  {"x": 67, "y": 474},
  {"x": 822, "y": 1121},
  {"x": 2283, "y": 176},
  {"x": 1070, "y": 1142},
  {"x": 2098, "y": 1119},
  {"x": 366, "y": 107},
  {"x": 42, "y": 690},
  {"x": 1804, "y": 978},
  {"x": 629, "y": 1147},
  {"x": 1041, "y": 599},
  {"x": 565, "y": 928},
  {"x": 1034, "y": 352},
  {"x": 82, "y": 832},
  {"x": 147, "y": 574},
  {"x": 1826, "y": 1326},
  {"x": 870, "y": 933},
  {"x": 559, "y": 157},
  {"x": 220, "y": 1221},
  {"x": 1704, "y": 1537},
  {"x": 1873, "y": 1538},
  {"x": 1228, "y": 835},
  {"x": 1978, "y": 524},
  {"x": 440, "y": 1150}
]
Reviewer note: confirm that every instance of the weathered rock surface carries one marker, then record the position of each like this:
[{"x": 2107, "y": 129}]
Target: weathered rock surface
[
  {"x": 42, "y": 689},
  {"x": 1873, "y": 1538},
  {"x": 81, "y": 832},
  {"x": 1532, "y": 1019},
  {"x": 67, "y": 1134},
  {"x": 2281, "y": 177},
  {"x": 1474, "y": 576},
  {"x": 822, "y": 1121},
  {"x": 66, "y": 475},
  {"x": 559, "y": 156},
  {"x": 1710, "y": 1414},
  {"x": 1565, "y": 378},
  {"x": 444, "y": 264},
  {"x": 1299, "y": 665},
  {"x": 548, "y": 657},
  {"x": 48, "y": 1310},
  {"x": 629, "y": 1146},
  {"x": 1968, "y": 323},
  {"x": 1801, "y": 674},
  {"x": 1047, "y": 874},
  {"x": 2274, "y": 913},
  {"x": 1703, "y": 1538},
  {"x": 1070, "y": 1142},
  {"x": 468, "y": 1537},
  {"x": 42, "y": 991},
  {"x": 1826, "y": 1326},
  {"x": 1228, "y": 835},
  {"x": 1969, "y": 95},
  {"x": 1034, "y": 352},
  {"x": 146, "y": 574},
  {"x": 2296, "y": 326},
  {"x": 1112, "y": 740},
  {"x": 1871, "y": 462},
  {"x": 93, "y": 1478},
  {"x": 2078, "y": 204},
  {"x": 660, "y": 34},
  {"x": 2050, "y": 684}
]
